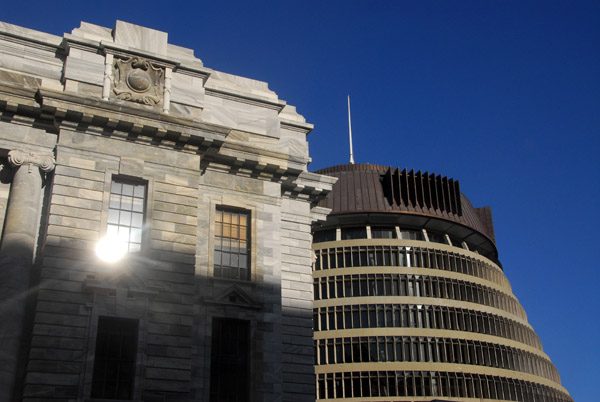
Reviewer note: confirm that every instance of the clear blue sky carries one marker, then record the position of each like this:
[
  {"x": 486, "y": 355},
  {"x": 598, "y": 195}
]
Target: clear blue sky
[{"x": 502, "y": 95}]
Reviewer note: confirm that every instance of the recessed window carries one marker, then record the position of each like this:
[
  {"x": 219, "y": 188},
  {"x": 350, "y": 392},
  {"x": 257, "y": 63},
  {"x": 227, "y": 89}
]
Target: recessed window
[
  {"x": 126, "y": 213},
  {"x": 229, "y": 362},
  {"x": 354, "y": 233},
  {"x": 436, "y": 237},
  {"x": 324, "y": 235},
  {"x": 408, "y": 234},
  {"x": 114, "y": 359},
  {"x": 232, "y": 244},
  {"x": 383, "y": 233}
]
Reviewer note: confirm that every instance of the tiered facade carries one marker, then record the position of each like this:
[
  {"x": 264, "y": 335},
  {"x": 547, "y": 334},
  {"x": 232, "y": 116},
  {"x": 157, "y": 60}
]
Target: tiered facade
[{"x": 411, "y": 303}]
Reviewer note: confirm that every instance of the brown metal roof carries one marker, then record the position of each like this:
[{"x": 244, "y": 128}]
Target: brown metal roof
[{"x": 378, "y": 188}]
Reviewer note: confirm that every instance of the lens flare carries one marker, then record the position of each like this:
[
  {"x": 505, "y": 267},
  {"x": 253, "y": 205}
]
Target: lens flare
[{"x": 111, "y": 249}]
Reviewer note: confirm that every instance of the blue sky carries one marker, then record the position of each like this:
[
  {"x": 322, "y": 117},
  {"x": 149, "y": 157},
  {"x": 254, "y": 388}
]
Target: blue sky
[{"x": 502, "y": 95}]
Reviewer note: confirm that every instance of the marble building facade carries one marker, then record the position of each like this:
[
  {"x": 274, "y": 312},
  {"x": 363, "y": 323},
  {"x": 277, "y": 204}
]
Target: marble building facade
[{"x": 201, "y": 174}]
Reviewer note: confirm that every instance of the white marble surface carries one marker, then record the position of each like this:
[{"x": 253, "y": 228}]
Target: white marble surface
[{"x": 142, "y": 38}]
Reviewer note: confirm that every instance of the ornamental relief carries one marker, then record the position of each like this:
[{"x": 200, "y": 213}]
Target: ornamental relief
[{"x": 138, "y": 80}]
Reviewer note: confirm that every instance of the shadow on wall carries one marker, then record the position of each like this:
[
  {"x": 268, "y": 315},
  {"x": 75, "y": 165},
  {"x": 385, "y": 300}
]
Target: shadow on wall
[{"x": 195, "y": 338}]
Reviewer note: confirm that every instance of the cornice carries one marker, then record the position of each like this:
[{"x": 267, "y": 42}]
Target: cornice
[
  {"x": 131, "y": 118},
  {"x": 109, "y": 47},
  {"x": 304, "y": 128},
  {"x": 30, "y": 41},
  {"x": 243, "y": 98}
]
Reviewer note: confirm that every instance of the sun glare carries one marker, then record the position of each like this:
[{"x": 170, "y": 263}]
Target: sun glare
[{"x": 111, "y": 249}]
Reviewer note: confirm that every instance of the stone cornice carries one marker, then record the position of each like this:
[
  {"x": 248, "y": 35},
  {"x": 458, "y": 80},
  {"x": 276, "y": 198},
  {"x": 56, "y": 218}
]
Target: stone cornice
[
  {"x": 243, "y": 98},
  {"x": 304, "y": 128},
  {"x": 109, "y": 47},
  {"x": 137, "y": 123},
  {"x": 308, "y": 185},
  {"x": 24, "y": 36},
  {"x": 131, "y": 118}
]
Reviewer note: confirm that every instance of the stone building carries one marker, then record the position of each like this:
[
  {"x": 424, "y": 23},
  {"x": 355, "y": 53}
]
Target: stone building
[
  {"x": 411, "y": 301},
  {"x": 200, "y": 175}
]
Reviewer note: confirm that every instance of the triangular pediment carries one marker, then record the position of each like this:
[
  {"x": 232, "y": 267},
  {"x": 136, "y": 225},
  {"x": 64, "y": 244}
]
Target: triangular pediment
[{"x": 235, "y": 296}]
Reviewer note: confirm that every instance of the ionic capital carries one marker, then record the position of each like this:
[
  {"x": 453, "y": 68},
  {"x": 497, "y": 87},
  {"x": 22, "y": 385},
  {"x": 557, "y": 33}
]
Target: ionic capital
[{"x": 45, "y": 162}]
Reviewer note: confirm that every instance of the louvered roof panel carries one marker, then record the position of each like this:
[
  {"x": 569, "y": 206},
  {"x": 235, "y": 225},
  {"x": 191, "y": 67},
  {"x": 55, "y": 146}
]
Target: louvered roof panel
[{"x": 361, "y": 188}]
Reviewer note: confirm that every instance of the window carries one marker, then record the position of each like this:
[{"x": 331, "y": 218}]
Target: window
[
  {"x": 436, "y": 237},
  {"x": 354, "y": 233},
  {"x": 114, "y": 360},
  {"x": 232, "y": 244},
  {"x": 324, "y": 235},
  {"x": 126, "y": 212},
  {"x": 229, "y": 362},
  {"x": 407, "y": 234},
  {"x": 383, "y": 233}
]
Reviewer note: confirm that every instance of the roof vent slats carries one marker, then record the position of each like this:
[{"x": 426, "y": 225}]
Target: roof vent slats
[{"x": 421, "y": 191}]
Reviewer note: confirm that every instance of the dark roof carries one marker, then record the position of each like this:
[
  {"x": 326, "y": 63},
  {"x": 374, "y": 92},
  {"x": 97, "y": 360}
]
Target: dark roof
[{"x": 376, "y": 188}]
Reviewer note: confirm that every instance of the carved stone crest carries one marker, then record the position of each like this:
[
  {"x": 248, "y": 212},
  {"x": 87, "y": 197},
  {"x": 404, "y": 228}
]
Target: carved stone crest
[{"x": 138, "y": 80}]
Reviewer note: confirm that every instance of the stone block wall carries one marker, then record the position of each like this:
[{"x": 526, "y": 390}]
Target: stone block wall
[{"x": 74, "y": 120}]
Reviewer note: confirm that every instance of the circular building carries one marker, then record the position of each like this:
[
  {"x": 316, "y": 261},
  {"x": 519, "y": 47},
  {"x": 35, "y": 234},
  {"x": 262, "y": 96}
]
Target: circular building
[{"x": 411, "y": 302}]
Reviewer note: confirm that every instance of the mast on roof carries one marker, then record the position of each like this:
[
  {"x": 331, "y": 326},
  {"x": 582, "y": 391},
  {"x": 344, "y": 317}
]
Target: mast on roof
[{"x": 350, "y": 132}]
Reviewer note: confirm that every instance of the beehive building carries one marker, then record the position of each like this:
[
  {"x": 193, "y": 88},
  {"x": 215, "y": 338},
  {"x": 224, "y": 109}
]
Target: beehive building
[{"x": 411, "y": 302}]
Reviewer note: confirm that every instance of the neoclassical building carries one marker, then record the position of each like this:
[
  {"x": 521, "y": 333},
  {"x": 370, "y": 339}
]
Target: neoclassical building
[
  {"x": 411, "y": 301},
  {"x": 198, "y": 177}
]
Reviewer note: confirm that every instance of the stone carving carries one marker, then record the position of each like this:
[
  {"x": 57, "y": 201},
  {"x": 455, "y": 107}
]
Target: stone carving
[
  {"x": 45, "y": 162},
  {"x": 138, "y": 80}
]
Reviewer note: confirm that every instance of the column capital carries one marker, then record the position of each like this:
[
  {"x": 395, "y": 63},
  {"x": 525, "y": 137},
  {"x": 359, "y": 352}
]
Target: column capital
[{"x": 20, "y": 157}]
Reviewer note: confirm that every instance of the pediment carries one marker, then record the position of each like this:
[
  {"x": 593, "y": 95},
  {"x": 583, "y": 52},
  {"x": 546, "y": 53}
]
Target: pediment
[{"x": 235, "y": 296}]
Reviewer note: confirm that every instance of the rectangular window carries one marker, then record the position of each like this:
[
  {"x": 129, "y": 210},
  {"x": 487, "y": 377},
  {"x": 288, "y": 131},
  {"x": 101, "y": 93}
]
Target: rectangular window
[
  {"x": 229, "y": 362},
  {"x": 383, "y": 233},
  {"x": 114, "y": 360},
  {"x": 232, "y": 244},
  {"x": 354, "y": 233},
  {"x": 126, "y": 212}
]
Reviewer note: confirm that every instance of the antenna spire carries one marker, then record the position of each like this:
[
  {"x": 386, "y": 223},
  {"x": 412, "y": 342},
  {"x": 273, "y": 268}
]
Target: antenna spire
[{"x": 350, "y": 133}]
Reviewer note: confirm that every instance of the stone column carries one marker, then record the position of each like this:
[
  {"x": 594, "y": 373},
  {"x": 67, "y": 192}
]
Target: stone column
[{"x": 19, "y": 238}]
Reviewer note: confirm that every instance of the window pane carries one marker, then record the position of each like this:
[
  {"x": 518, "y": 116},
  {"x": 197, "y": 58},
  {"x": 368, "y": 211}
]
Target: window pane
[
  {"x": 124, "y": 233},
  {"x": 231, "y": 235},
  {"x": 138, "y": 205},
  {"x": 115, "y": 201},
  {"x": 113, "y": 216},
  {"x": 126, "y": 203},
  {"x": 125, "y": 218},
  {"x": 127, "y": 189},
  {"x": 115, "y": 187},
  {"x": 135, "y": 235},
  {"x": 139, "y": 191},
  {"x": 137, "y": 220}
]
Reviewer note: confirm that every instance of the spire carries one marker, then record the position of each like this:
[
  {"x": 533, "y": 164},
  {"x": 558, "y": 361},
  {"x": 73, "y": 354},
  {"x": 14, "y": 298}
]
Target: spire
[{"x": 350, "y": 132}]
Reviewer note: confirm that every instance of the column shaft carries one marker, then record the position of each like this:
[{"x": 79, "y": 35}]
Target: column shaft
[{"x": 21, "y": 228}]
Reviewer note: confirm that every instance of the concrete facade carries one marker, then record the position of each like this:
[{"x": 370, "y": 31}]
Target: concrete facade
[
  {"x": 98, "y": 105},
  {"x": 411, "y": 301}
]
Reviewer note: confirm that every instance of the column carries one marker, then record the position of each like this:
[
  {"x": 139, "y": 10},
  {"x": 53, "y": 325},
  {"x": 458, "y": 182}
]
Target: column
[{"x": 19, "y": 239}]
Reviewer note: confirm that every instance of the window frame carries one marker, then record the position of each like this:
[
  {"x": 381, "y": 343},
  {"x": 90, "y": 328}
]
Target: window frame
[
  {"x": 117, "y": 326},
  {"x": 249, "y": 322},
  {"x": 111, "y": 175},
  {"x": 250, "y": 249},
  {"x": 127, "y": 180}
]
